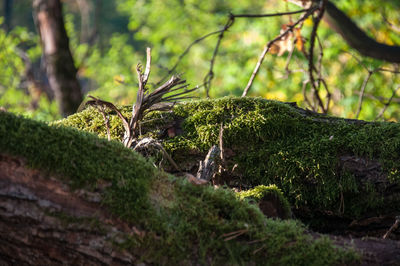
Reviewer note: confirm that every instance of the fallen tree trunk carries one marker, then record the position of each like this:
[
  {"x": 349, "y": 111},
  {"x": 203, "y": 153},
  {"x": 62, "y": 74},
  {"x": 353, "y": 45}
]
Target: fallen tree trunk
[
  {"x": 42, "y": 221},
  {"x": 91, "y": 201},
  {"x": 330, "y": 169},
  {"x": 85, "y": 187}
]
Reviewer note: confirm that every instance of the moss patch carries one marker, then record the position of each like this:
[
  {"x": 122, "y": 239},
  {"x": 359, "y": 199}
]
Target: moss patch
[
  {"x": 182, "y": 223},
  {"x": 214, "y": 227},
  {"x": 275, "y": 144},
  {"x": 270, "y": 200},
  {"x": 83, "y": 159}
]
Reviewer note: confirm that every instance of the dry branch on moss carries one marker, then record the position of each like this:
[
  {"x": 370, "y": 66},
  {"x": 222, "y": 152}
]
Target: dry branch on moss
[{"x": 173, "y": 90}]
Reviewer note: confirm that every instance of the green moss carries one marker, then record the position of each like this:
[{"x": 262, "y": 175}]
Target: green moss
[
  {"x": 181, "y": 223},
  {"x": 83, "y": 159},
  {"x": 202, "y": 223},
  {"x": 91, "y": 120},
  {"x": 270, "y": 193},
  {"x": 275, "y": 144}
]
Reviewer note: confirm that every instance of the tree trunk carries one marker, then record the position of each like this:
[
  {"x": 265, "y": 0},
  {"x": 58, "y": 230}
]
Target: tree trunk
[
  {"x": 43, "y": 222},
  {"x": 85, "y": 10},
  {"x": 60, "y": 68}
]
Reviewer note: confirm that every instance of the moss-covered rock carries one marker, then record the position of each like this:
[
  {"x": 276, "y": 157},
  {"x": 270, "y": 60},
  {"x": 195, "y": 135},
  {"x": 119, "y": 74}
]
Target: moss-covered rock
[
  {"x": 183, "y": 223},
  {"x": 315, "y": 160}
]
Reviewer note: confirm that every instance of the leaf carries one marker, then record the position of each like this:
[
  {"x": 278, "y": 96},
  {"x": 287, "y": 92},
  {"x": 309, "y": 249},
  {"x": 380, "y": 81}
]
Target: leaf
[
  {"x": 299, "y": 39},
  {"x": 285, "y": 43},
  {"x": 274, "y": 49}
]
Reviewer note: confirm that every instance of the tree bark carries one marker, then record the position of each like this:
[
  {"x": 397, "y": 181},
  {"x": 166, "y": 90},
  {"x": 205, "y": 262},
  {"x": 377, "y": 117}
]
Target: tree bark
[
  {"x": 60, "y": 68},
  {"x": 85, "y": 10},
  {"x": 43, "y": 222}
]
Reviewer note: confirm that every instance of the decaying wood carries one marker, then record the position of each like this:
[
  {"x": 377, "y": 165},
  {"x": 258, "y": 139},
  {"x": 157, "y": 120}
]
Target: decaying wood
[
  {"x": 149, "y": 146},
  {"x": 208, "y": 167},
  {"x": 175, "y": 87},
  {"x": 33, "y": 231},
  {"x": 393, "y": 227}
]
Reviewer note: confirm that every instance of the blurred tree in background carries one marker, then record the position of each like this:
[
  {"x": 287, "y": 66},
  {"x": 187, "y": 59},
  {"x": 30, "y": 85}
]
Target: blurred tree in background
[{"x": 108, "y": 39}]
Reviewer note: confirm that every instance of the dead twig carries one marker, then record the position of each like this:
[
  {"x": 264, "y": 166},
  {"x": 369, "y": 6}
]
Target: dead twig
[
  {"x": 380, "y": 99},
  {"x": 207, "y": 168},
  {"x": 316, "y": 21},
  {"x": 221, "y": 146},
  {"x": 235, "y": 234},
  {"x": 97, "y": 102},
  {"x": 148, "y": 145},
  {"x": 145, "y": 102},
  {"x": 210, "y": 75},
  {"x": 259, "y": 249},
  {"x": 182, "y": 55},
  {"x": 362, "y": 91},
  {"x": 393, "y": 227},
  {"x": 387, "y": 103},
  {"x": 279, "y": 14},
  {"x": 101, "y": 108}
]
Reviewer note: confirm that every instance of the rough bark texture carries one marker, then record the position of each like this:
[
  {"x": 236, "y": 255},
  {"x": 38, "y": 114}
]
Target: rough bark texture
[
  {"x": 60, "y": 66},
  {"x": 43, "y": 222}
]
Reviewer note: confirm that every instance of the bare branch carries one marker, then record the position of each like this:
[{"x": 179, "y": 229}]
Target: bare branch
[
  {"x": 387, "y": 103},
  {"x": 380, "y": 99},
  {"x": 144, "y": 102},
  {"x": 210, "y": 75},
  {"x": 362, "y": 91},
  {"x": 97, "y": 102},
  {"x": 185, "y": 52},
  {"x": 268, "y": 15},
  {"x": 393, "y": 227},
  {"x": 316, "y": 21},
  {"x": 148, "y": 63},
  {"x": 366, "y": 80},
  {"x": 269, "y": 44}
]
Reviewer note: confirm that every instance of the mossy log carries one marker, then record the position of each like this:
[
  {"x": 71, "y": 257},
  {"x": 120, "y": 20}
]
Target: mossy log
[
  {"x": 68, "y": 197},
  {"x": 44, "y": 222},
  {"x": 330, "y": 169}
]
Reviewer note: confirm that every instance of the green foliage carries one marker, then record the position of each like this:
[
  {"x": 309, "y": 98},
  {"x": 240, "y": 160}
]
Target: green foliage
[
  {"x": 170, "y": 26},
  {"x": 13, "y": 96}
]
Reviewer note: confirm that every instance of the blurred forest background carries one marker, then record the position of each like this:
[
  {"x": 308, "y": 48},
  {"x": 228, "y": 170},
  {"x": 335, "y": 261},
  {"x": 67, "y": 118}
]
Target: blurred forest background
[{"x": 109, "y": 38}]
